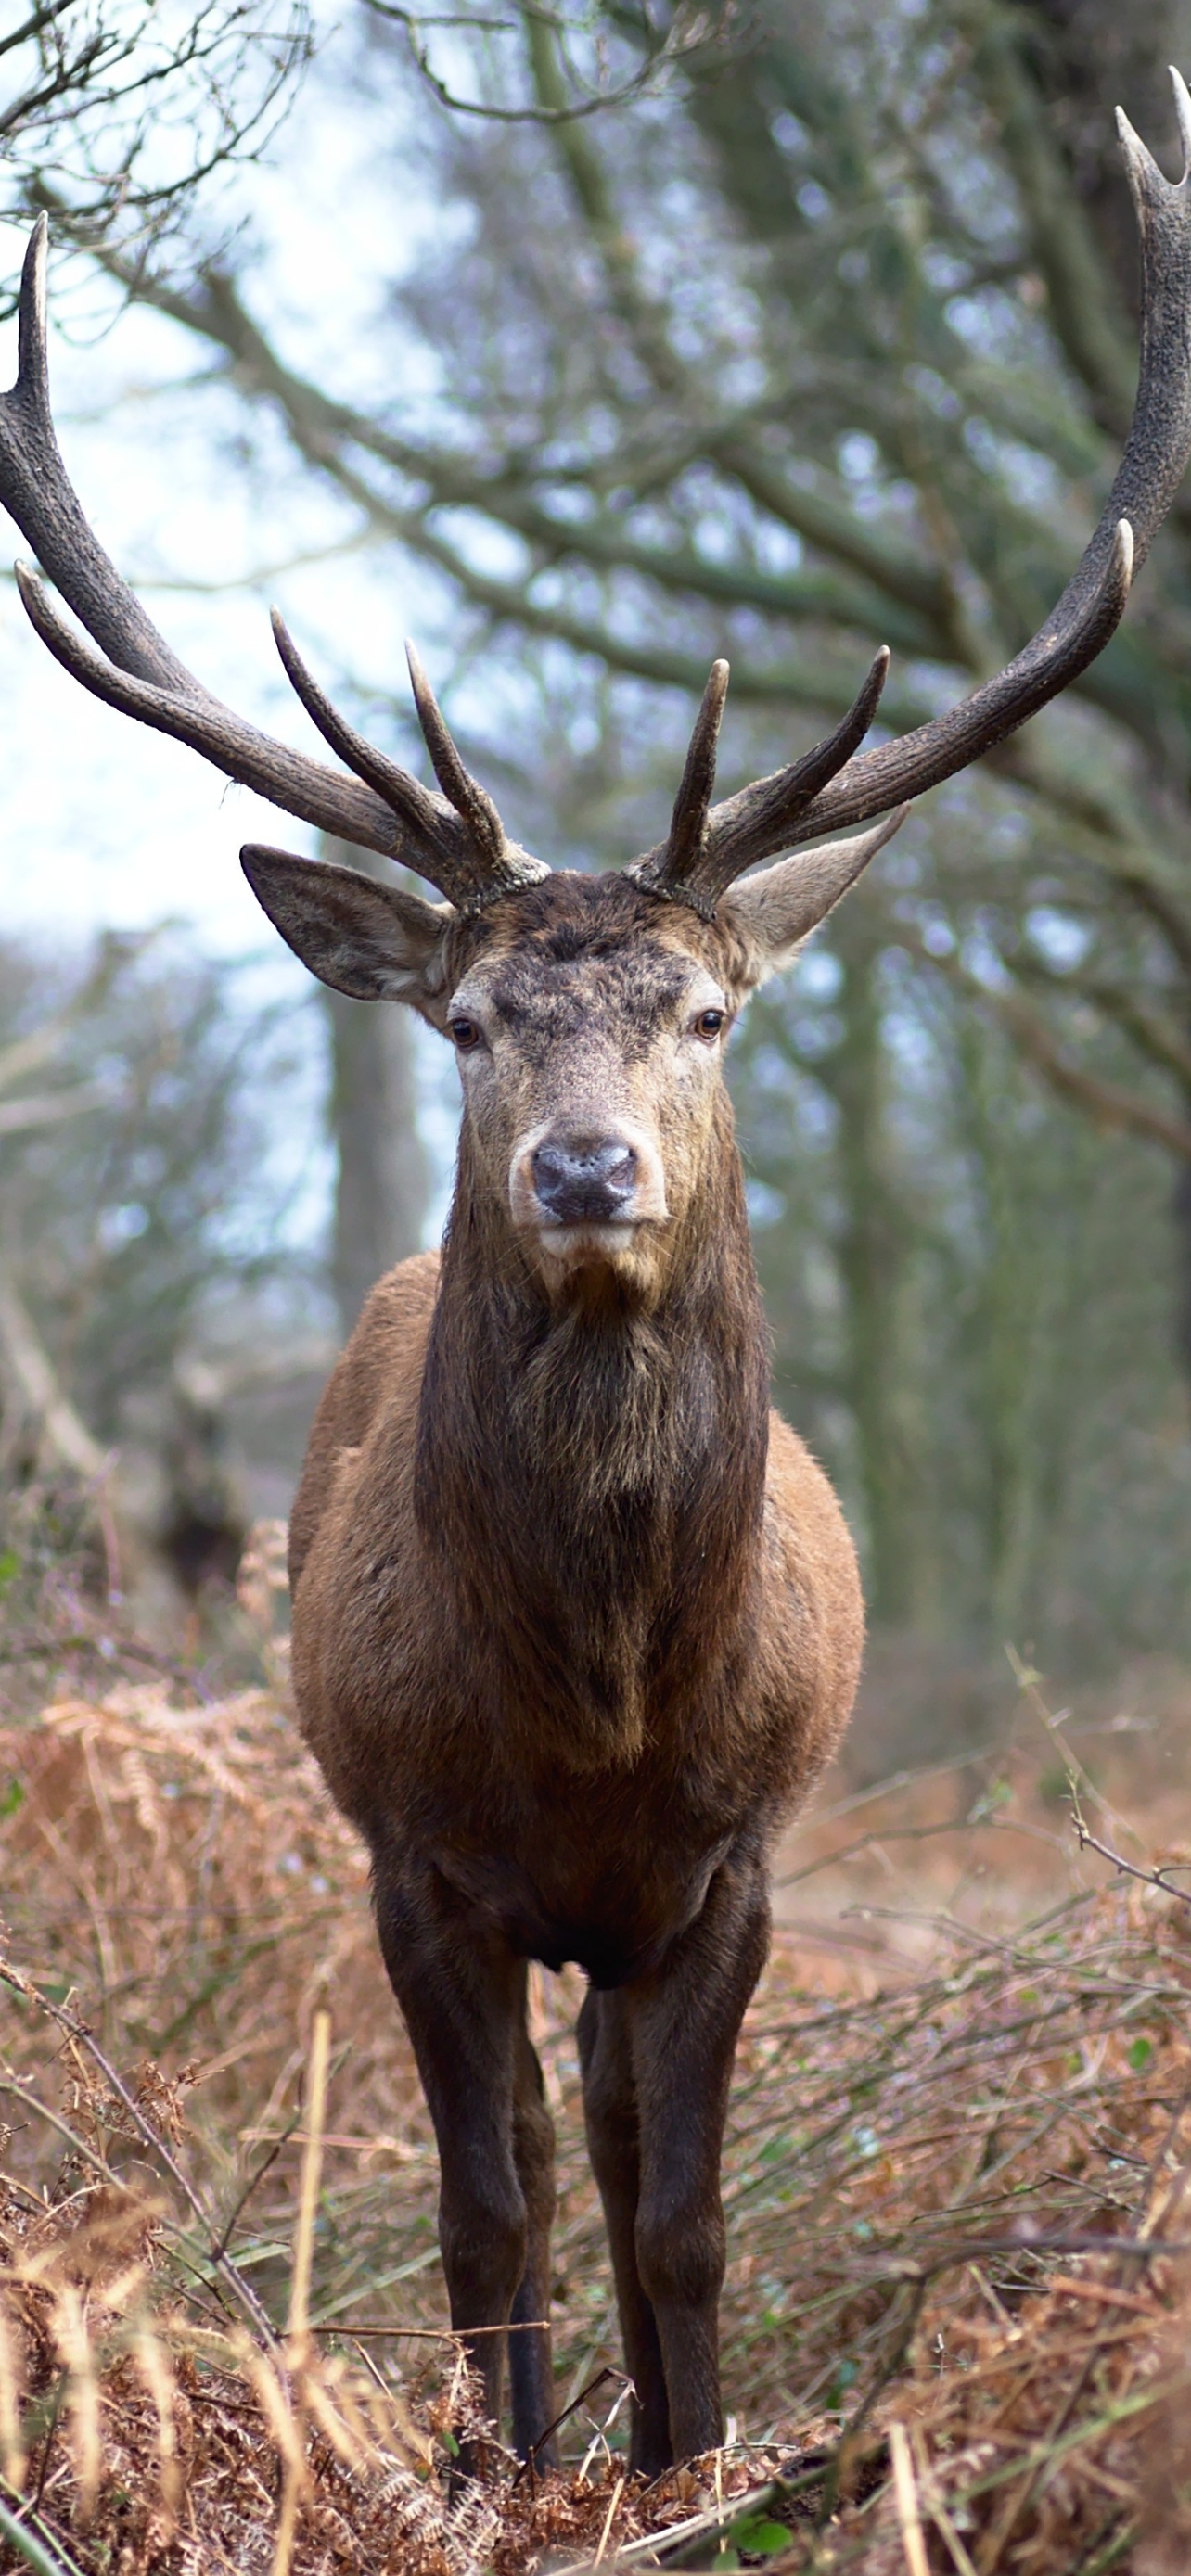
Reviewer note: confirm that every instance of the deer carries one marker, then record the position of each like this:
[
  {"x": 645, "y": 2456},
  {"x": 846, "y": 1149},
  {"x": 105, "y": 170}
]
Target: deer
[{"x": 577, "y": 1620}]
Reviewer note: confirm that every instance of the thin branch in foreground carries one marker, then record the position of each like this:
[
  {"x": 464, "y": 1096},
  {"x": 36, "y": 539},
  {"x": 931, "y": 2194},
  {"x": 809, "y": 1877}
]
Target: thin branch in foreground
[
  {"x": 690, "y": 31},
  {"x": 1088, "y": 1841}
]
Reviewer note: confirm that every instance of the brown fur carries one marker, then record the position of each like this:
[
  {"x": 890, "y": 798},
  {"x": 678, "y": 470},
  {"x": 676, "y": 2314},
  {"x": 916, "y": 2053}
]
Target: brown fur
[{"x": 576, "y": 1623}]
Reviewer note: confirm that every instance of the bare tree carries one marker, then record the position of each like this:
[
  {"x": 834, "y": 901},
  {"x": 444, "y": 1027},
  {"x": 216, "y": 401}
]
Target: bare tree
[
  {"x": 138, "y": 1205},
  {"x": 114, "y": 112},
  {"x": 382, "y": 1180},
  {"x": 830, "y": 348}
]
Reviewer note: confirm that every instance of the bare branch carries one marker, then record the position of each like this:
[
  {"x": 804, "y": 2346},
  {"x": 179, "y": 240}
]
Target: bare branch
[
  {"x": 1108, "y": 1103},
  {"x": 690, "y": 31},
  {"x": 29, "y": 1366},
  {"x": 1151, "y": 1032}
]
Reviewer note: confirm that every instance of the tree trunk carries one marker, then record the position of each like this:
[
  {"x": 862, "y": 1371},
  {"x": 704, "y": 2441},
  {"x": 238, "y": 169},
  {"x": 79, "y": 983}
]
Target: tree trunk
[
  {"x": 872, "y": 1248},
  {"x": 382, "y": 1188}
]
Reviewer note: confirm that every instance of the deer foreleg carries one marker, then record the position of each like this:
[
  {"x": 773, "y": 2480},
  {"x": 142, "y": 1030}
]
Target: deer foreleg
[
  {"x": 462, "y": 1995},
  {"x": 610, "y": 2116},
  {"x": 531, "y": 2370},
  {"x": 683, "y": 2024}
]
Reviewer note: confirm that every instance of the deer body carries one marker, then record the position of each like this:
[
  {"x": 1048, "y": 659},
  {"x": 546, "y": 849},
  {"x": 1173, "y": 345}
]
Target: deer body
[
  {"x": 577, "y": 1778},
  {"x": 576, "y": 1618},
  {"x": 576, "y": 1621}
]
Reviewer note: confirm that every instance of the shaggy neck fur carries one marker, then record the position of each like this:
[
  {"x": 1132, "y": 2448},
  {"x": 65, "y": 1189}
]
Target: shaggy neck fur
[{"x": 591, "y": 1477}]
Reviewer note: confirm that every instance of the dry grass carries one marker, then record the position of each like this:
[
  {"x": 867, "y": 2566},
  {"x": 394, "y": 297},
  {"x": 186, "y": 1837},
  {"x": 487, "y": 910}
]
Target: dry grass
[{"x": 954, "y": 2324}]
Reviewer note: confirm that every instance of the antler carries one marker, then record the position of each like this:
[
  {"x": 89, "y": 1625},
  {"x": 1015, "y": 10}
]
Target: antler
[
  {"x": 708, "y": 846},
  {"x": 699, "y": 857},
  {"x": 454, "y": 839}
]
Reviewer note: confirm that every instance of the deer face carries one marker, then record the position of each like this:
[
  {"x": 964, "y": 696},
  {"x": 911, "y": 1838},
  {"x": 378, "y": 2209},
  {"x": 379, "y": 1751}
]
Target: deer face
[
  {"x": 589, "y": 1022},
  {"x": 589, "y": 1019}
]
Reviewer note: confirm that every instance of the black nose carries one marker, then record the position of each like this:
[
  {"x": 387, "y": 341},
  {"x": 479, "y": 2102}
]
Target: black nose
[{"x": 584, "y": 1180}]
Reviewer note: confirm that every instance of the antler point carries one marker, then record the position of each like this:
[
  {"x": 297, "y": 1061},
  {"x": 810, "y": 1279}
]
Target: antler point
[
  {"x": 1182, "y": 109},
  {"x": 1140, "y": 166}
]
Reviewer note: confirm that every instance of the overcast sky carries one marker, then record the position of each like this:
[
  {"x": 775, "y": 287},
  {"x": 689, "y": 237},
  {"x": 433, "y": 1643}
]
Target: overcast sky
[{"x": 103, "y": 821}]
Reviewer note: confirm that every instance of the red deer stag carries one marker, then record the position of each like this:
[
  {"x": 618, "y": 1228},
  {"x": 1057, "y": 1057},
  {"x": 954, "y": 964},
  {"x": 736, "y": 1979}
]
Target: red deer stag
[{"x": 576, "y": 1617}]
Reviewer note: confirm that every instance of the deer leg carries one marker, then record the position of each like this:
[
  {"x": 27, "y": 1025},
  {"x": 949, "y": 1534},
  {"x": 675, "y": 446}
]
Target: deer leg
[
  {"x": 531, "y": 2367},
  {"x": 610, "y": 2117},
  {"x": 461, "y": 1992},
  {"x": 683, "y": 2024}
]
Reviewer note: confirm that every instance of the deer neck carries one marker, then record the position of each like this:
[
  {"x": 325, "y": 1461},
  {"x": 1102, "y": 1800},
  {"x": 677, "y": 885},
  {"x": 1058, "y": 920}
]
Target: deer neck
[{"x": 590, "y": 1480}]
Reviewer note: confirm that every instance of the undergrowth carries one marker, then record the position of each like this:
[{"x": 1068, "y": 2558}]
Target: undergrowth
[{"x": 954, "y": 2327}]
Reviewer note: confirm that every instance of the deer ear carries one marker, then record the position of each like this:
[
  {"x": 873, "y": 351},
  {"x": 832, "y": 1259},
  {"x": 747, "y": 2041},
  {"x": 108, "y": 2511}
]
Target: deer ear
[
  {"x": 374, "y": 941},
  {"x": 776, "y": 910}
]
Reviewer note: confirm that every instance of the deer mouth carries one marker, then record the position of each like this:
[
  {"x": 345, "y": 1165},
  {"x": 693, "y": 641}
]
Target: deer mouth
[
  {"x": 585, "y": 1191},
  {"x": 597, "y": 1260},
  {"x": 589, "y": 1237}
]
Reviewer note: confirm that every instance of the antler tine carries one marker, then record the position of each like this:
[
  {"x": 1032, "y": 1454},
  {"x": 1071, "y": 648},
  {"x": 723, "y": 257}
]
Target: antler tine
[
  {"x": 416, "y": 806},
  {"x": 286, "y": 778},
  {"x": 693, "y": 801},
  {"x": 696, "y": 865},
  {"x": 896, "y": 772},
  {"x": 465, "y": 868},
  {"x": 464, "y": 792},
  {"x": 135, "y": 670},
  {"x": 36, "y": 490},
  {"x": 758, "y": 823}
]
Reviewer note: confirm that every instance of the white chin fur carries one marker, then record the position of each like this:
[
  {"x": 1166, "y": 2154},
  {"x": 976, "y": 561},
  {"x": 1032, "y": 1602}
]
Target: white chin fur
[{"x": 571, "y": 1246}]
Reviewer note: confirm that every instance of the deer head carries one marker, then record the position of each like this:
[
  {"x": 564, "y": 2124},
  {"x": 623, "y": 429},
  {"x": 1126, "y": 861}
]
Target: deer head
[
  {"x": 589, "y": 1015},
  {"x": 589, "y": 1021}
]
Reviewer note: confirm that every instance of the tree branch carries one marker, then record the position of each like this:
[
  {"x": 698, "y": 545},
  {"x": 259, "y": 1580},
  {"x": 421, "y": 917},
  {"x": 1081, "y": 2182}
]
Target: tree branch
[
  {"x": 1154, "y": 1035},
  {"x": 1107, "y": 1103},
  {"x": 1083, "y": 300},
  {"x": 31, "y": 1369}
]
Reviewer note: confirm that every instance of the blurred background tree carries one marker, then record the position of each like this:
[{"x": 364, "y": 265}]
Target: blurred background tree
[
  {"x": 784, "y": 333},
  {"x": 149, "y": 1273}
]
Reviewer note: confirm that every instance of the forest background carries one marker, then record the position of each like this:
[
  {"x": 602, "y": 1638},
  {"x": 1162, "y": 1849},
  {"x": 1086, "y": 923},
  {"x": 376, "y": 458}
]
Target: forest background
[{"x": 585, "y": 345}]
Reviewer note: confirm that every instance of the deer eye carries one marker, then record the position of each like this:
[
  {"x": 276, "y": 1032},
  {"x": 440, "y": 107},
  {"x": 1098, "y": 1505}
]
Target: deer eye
[
  {"x": 709, "y": 1024},
  {"x": 466, "y": 1034}
]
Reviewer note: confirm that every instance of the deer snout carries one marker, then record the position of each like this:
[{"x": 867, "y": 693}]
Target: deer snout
[{"x": 585, "y": 1180}]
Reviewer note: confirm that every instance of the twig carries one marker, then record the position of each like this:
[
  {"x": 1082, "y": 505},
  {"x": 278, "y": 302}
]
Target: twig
[
  {"x": 1088, "y": 1841},
  {"x": 299, "y": 2346},
  {"x": 77, "y": 2030},
  {"x": 976, "y": 2248},
  {"x": 905, "y": 2493},
  {"x": 225, "y": 2238},
  {"x": 1049, "y": 2449},
  {"x": 1102, "y": 2293},
  {"x": 530, "y": 2460},
  {"x": 685, "y": 37},
  {"x": 312, "y": 2166},
  {"x": 77, "y": 2145},
  {"x": 609, "y": 2519},
  {"x": 932, "y": 2497},
  {"x": 676, "y": 2537},
  {"x": 1028, "y": 1683},
  {"x": 444, "y": 2334},
  {"x": 51, "y": 2429}
]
